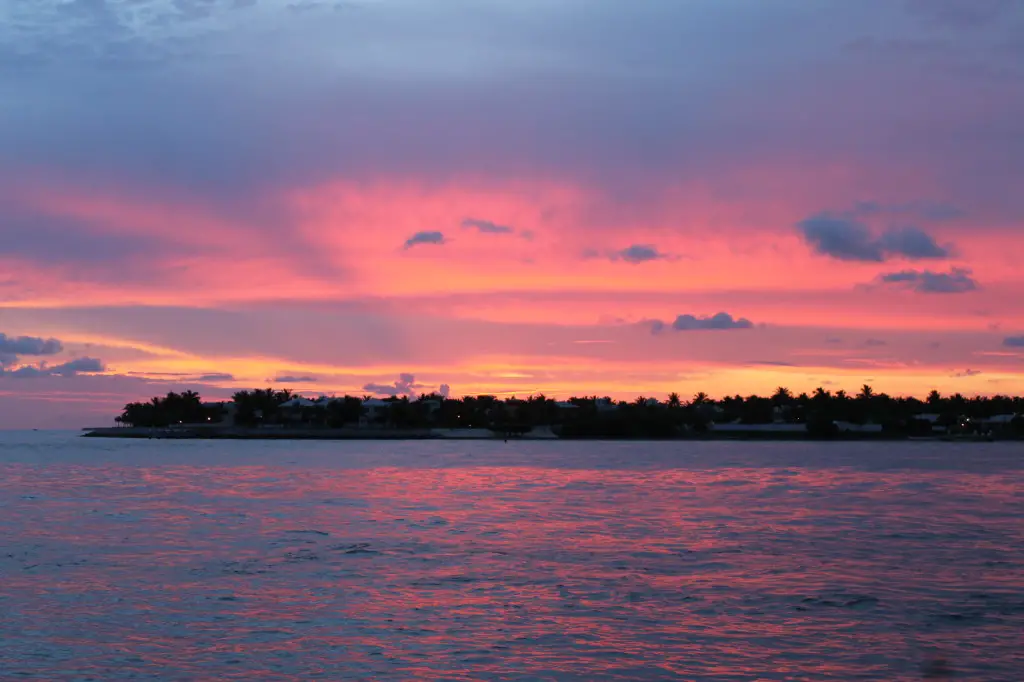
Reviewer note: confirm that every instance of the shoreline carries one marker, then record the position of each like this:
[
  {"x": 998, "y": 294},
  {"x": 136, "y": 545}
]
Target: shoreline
[
  {"x": 540, "y": 434},
  {"x": 238, "y": 433}
]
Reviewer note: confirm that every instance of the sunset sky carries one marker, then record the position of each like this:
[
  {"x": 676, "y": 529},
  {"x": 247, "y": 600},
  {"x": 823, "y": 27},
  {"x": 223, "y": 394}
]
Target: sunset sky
[{"x": 612, "y": 197}]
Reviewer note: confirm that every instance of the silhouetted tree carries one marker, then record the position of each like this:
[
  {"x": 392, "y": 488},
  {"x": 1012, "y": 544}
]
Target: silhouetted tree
[
  {"x": 590, "y": 416},
  {"x": 172, "y": 409}
]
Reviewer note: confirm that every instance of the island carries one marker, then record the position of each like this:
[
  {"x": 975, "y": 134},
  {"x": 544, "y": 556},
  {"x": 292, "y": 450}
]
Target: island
[{"x": 280, "y": 414}]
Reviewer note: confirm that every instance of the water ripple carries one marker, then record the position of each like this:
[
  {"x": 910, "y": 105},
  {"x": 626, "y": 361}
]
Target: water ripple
[{"x": 527, "y": 561}]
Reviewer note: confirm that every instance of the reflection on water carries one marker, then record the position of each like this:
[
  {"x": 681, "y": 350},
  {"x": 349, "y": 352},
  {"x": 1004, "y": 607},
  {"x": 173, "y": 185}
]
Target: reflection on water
[{"x": 466, "y": 561}]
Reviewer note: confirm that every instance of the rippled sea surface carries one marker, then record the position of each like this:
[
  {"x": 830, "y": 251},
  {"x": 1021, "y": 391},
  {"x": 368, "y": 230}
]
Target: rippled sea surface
[{"x": 534, "y": 561}]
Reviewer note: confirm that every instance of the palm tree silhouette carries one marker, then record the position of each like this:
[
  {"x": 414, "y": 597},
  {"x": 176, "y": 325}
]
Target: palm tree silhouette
[{"x": 782, "y": 395}]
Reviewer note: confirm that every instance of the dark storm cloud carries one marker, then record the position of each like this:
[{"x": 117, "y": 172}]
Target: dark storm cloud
[
  {"x": 847, "y": 239},
  {"x": 956, "y": 281}
]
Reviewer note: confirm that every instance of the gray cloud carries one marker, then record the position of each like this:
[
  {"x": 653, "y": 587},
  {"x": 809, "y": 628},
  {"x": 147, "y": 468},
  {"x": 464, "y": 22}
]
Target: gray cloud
[
  {"x": 80, "y": 365},
  {"x": 686, "y": 323},
  {"x": 289, "y": 379},
  {"x": 847, "y": 239},
  {"x": 719, "y": 321},
  {"x": 1014, "y": 342},
  {"x": 956, "y": 281},
  {"x": 486, "y": 226},
  {"x": 912, "y": 243},
  {"x": 405, "y": 385},
  {"x": 841, "y": 238},
  {"x": 29, "y": 345},
  {"x": 638, "y": 253},
  {"x": 490, "y": 227},
  {"x": 67, "y": 369},
  {"x": 967, "y": 373},
  {"x": 424, "y": 238},
  {"x": 874, "y": 343},
  {"x": 216, "y": 377}
]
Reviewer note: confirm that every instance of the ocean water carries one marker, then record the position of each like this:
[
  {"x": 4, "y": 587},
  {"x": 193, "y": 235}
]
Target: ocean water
[{"x": 179, "y": 560}]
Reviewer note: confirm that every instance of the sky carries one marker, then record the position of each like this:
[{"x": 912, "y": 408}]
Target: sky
[{"x": 573, "y": 197}]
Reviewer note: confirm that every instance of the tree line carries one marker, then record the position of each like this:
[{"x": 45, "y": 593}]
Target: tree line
[
  {"x": 174, "y": 408},
  {"x": 587, "y": 416}
]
